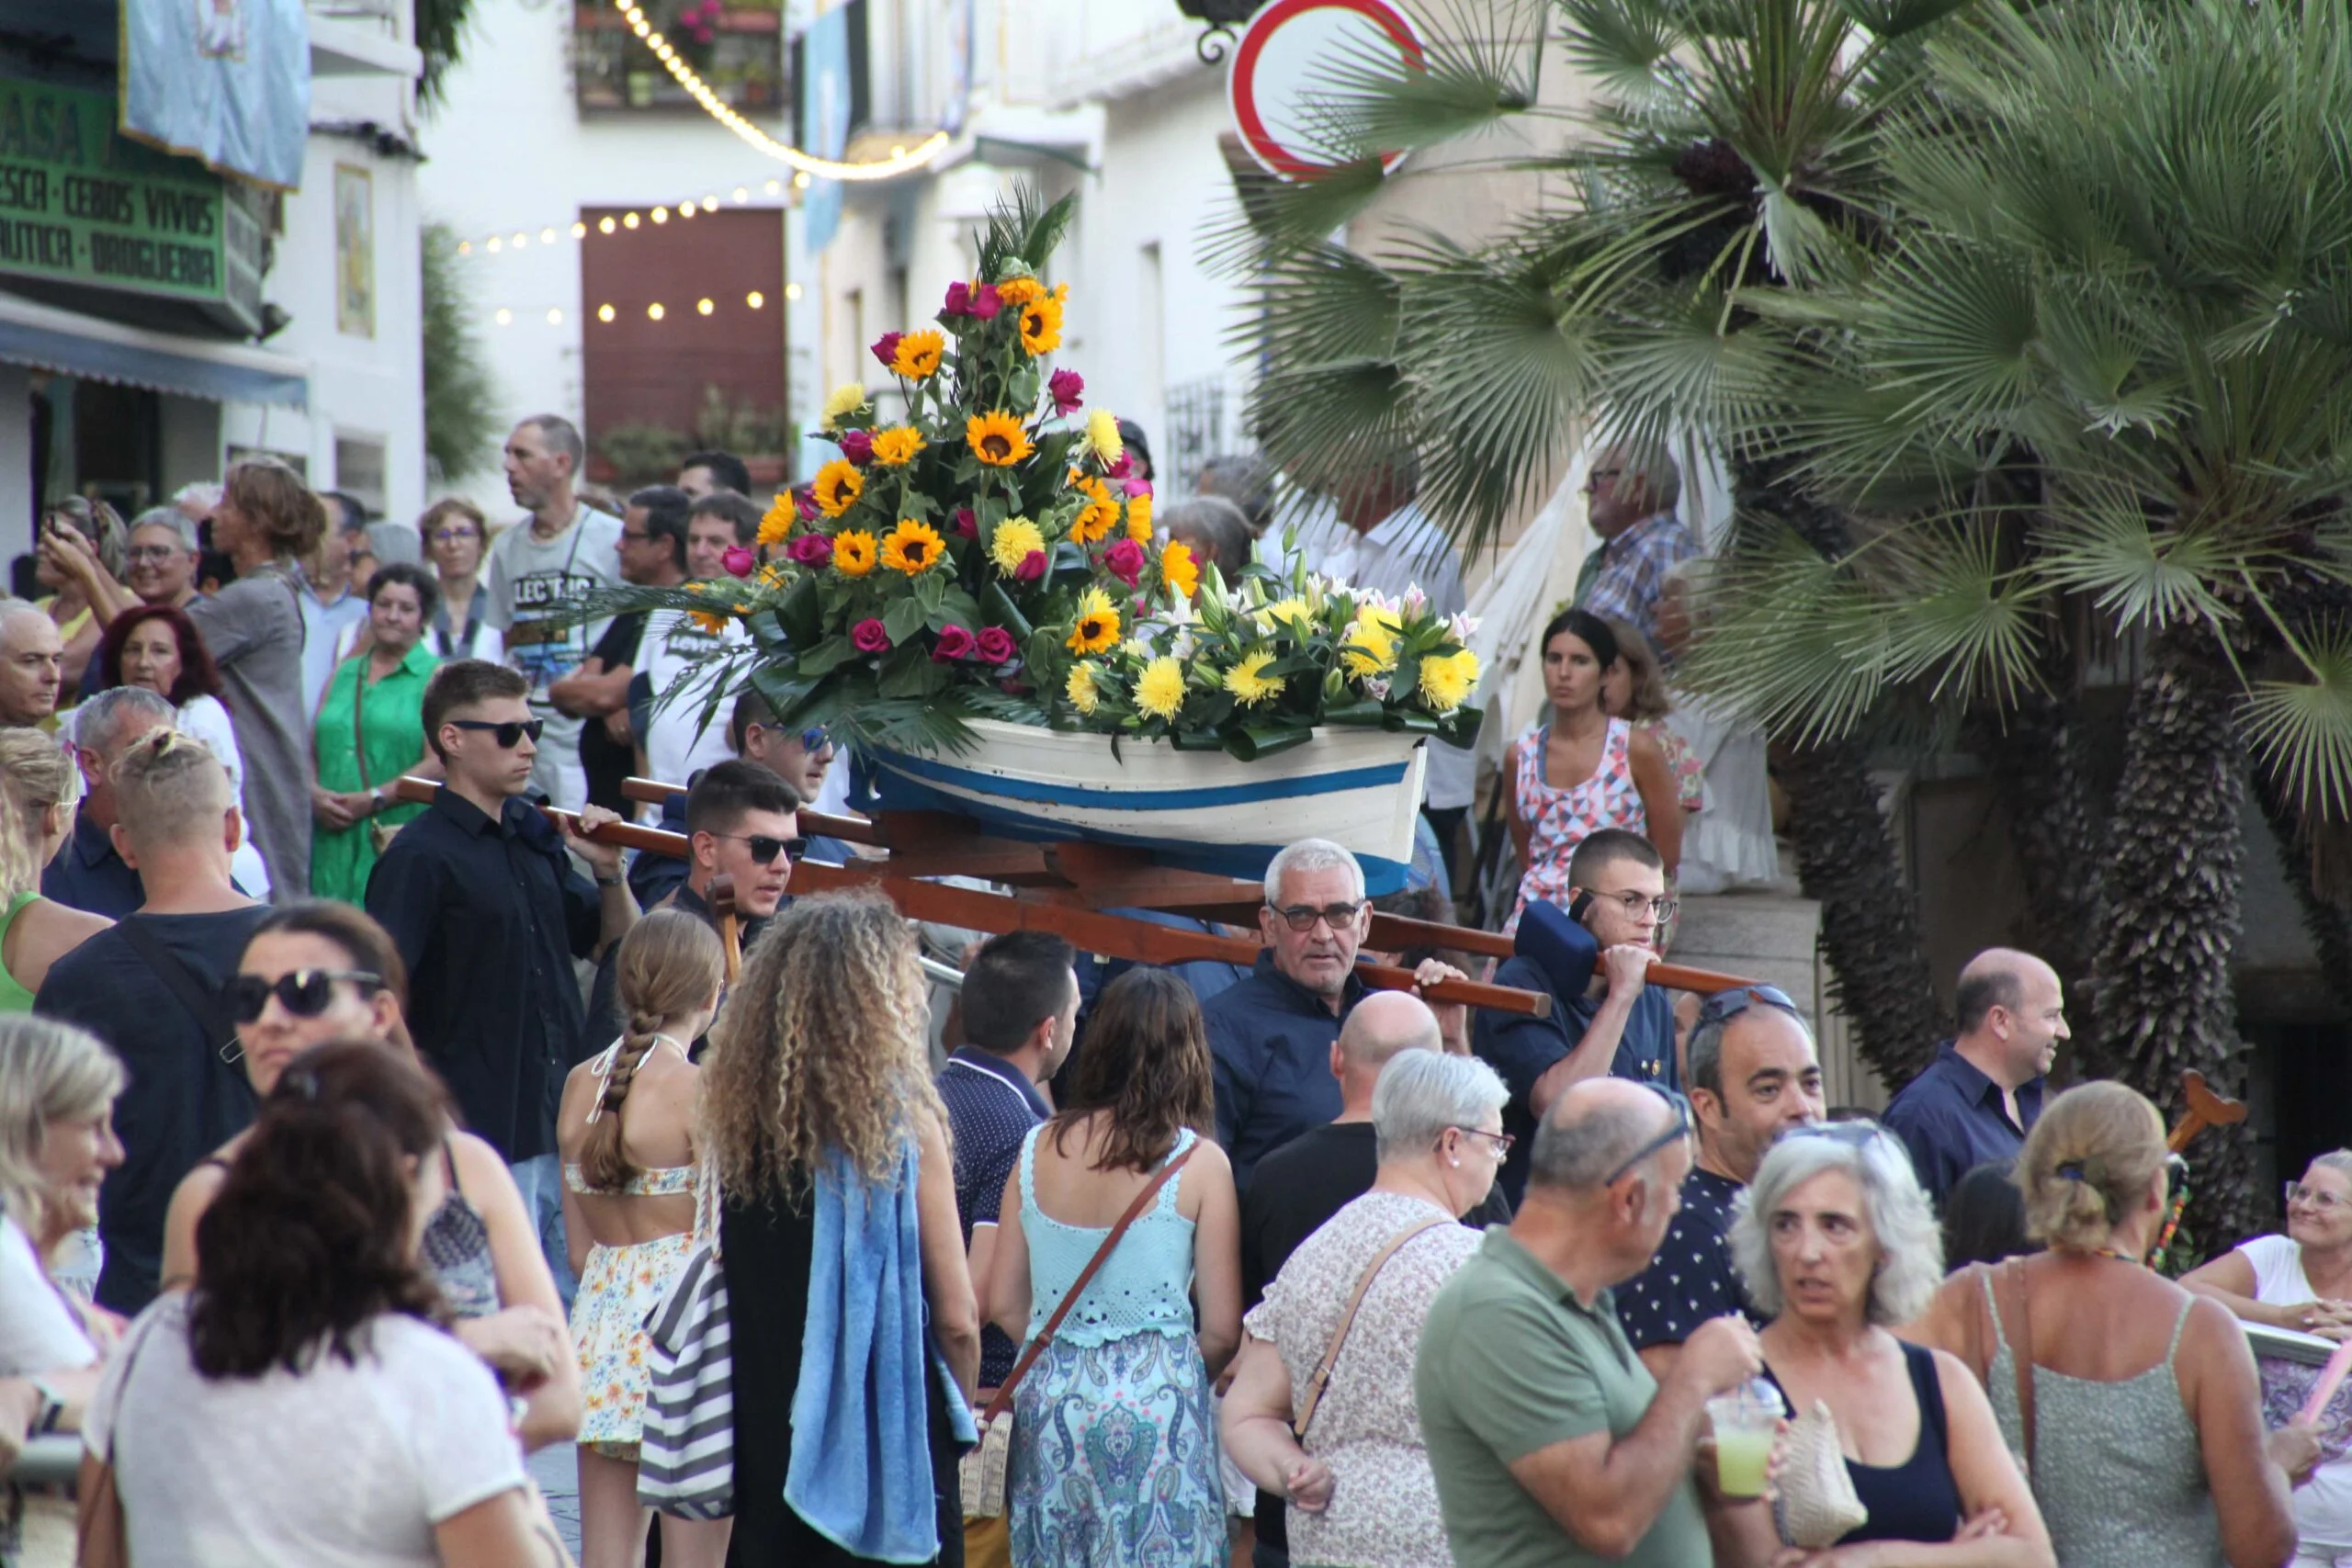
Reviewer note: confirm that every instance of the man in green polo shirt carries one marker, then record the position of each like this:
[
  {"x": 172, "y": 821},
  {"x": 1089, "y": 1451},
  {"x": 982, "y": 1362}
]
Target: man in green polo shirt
[{"x": 1551, "y": 1442}]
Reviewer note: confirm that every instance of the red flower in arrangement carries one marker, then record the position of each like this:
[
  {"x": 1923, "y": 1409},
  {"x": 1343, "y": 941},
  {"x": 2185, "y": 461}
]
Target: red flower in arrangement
[
  {"x": 857, "y": 445},
  {"x": 804, "y": 500},
  {"x": 966, "y": 525},
  {"x": 997, "y": 646},
  {"x": 959, "y": 300},
  {"x": 810, "y": 549},
  {"x": 1137, "y": 487},
  {"x": 868, "y": 636},
  {"x": 1124, "y": 561},
  {"x": 1122, "y": 467},
  {"x": 885, "y": 348},
  {"x": 985, "y": 304},
  {"x": 739, "y": 561},
  {"x": 703, "y": 20},
  {"x": 953, "y": 643},
  {"x": 1033, "y": 567},
  {"x": 1067, "y": 388}
]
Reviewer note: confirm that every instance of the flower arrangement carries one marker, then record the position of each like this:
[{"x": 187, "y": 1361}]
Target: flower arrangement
[{"x": 986, "y": 551}]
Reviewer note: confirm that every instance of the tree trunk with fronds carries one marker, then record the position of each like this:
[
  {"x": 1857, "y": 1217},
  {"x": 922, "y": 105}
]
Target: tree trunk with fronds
[
  {"x": 2040, "y": 774},
  {"x": 2164, "y": 1001}
]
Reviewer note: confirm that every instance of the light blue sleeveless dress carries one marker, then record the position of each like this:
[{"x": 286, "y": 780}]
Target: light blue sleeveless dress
[{"x": 1115, "y": 1446}]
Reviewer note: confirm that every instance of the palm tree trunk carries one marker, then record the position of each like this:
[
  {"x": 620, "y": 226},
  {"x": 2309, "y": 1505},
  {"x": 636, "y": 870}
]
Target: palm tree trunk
[
  {"x": 2040, "y": 773},
  {"x": 2164, "y": 1002}
]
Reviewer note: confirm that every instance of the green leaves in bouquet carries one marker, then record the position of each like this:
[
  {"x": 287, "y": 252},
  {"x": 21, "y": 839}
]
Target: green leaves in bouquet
[{"x": 1024, "y": 229}]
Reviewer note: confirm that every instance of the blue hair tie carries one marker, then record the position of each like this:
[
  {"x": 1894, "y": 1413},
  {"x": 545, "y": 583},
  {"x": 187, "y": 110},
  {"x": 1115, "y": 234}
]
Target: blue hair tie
[{"x": 2071, "y": 1171}]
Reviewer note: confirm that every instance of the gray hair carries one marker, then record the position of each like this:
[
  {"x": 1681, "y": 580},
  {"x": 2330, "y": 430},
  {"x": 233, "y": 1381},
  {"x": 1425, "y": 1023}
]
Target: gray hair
[
  {"x": 204, "y": 493},
  {"x": 1309, "y": 854},
  {"x": 1703, "y": 1052},
  {"x": 1661, "y": 475},
  {"x": 1218, "y": 523},
  {"x": 2337, "y": 1160},
  {"x": 560, "y": 435},
  {"x": 1245, "y": 480},
  {"x": 182, "y": 526},
  {"x": 1421, "y": 1093},
  {"x": 1577, "y": 1153},
  {"x": 99, "y": 724},
  {"x": 1910, "y": 1243},
  {"x": 13, "y": 608}
]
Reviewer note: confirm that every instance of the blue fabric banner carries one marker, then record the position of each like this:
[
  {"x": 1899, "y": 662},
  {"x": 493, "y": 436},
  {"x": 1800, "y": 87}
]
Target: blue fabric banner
[
  {"x": 824, "y": 120},
  {"x": 225, "y": 81}
]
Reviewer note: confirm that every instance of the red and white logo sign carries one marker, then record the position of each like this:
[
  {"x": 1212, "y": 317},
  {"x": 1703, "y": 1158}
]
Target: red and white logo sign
[{"x": 1292, "y": 56}]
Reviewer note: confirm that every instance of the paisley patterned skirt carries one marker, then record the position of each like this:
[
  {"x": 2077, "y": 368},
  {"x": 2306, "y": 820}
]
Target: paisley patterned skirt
[{"x": 1114, "y": 1458}]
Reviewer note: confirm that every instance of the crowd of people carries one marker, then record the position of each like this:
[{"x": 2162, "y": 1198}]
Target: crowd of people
[{"x": 354, "y": 1147}]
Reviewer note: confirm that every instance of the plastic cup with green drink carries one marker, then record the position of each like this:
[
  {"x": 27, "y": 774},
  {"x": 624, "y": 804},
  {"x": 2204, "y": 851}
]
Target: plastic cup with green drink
[{"x": 1746, "y": 1421}]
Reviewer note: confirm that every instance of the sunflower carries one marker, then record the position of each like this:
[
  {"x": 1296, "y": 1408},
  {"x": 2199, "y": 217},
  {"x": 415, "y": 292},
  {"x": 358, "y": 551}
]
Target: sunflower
[
  {"x": 1019, "y": 291},
  {"x": 1139, "y": 518},
  {"x": 1041, "y": 326},
  {"x": 775, "y": 525},
  {"x": 1159, "y": 690},
  {"x": 838, "y": 486},
  {"x": 854, "y": 553},
  {"x": 712, "y": 623},
  {"x": 1102, "y": 437},
  {"x": 913, "y": 547},
  {"x": 1016, "y": 540},
  {"x": 1083, "y": 693},
  {"x": 1098, "y": 516},
  {"x": 842, "y": 401},
  {"x": 997, "y": 439},
  {"x": 1370, "y": 645},
  {"x": 1448, "y": 678},
  {"x": 1179, "y": 569},
  {"x": 772, "y": 577},
  {"x": 1097, "y": 627},
  {"x": 895, "y": 448},
  {"x": 917, "y": 355},
  {"x": 1249, "y": 682}
]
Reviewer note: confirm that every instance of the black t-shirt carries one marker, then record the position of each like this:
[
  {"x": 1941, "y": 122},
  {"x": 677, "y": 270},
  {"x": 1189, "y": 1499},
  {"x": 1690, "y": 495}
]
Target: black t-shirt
[
  {"x": 182, "y": 1100},
  {"x": 604, "y": 760}
]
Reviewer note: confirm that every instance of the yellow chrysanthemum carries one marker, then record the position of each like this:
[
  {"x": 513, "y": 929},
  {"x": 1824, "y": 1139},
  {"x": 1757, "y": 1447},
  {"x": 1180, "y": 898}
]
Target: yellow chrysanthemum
[
  {"x": 854, "y": 553},
  {"x": 895, "y": 448},
  {"x": 1370, "y": 647},
  {"x": 1102, "y": 437},
  {"x": 1098, "y": 623},
  {"x": 1139, "y": 519},
  {"x": 1098, "y": 516},
  {"x": 839, "y": 484},
  {"x": 1083, "y": 693},
  {"x": 1019, "y": 291},
  {"x": 1041, "y": 326},
  {"x": 776, "y": 525},
  {"x": 1159, "y": 690},
  {"x": 1448, "y": 678},
  {"x": 997, "y": 439},
  {"x": 913, "y": 547},
  {"x": 1294, "y": 612},
  {"x": 842, "y": 401},
  {"x": 916, "y": 358},
  {"x": 1016, "y": 539},
  {"x": 1179, "y": 569},
  {"x": 1249, "y": 682}
]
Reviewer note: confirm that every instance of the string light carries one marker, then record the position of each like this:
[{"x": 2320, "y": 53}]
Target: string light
[
  {"x": 628, "y": 220},
  {"x": 654, "y": 311},
  {"x": 605, "y": 313},
  {"x": 755, "y": 299},
  {"x": 555, "y": 316},
  {"x": 792, "y": 291},
  {"x": 503, "y": 316},
  {"x": 743, "y": 195},
  {"x": 704, "y": 306},
  {"x": 605, "y": 225},
  {"x": 661, "y": 215}
]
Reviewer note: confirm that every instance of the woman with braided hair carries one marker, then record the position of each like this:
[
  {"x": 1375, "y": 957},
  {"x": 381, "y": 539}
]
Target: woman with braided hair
[{"x": 629, "y": 1159}]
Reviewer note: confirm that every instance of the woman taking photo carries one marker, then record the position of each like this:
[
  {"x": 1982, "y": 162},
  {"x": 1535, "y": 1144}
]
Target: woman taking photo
[
  {"x": 1359, "y": 1483},
  {"x": 2302, "y": 1281},
  {"x": 2147, "y": 1445},
  {"x": 1583, "y": 770},
  {"x": 316, "y": 972},
  {"x": 370, "y": 730},
  {"x": 1124, "y": 1384},
  {"x": 301, "y": 1404},
  {"x": 838, "y": 1234},
  {"x": 455, "y": 539},
  {"x": 97, "y": 528},
  {"x": 37, "y": 789},
  {"x": 1837, "y": 1242},
  {"x": 624, "y": 1131}
]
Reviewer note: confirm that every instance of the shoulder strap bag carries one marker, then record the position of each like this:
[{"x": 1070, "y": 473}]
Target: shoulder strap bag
[
  {"x": 1322, "y": 1378},
  {"x": 102, "y": 1539},
  {"x": 982, "y": 1470},
  {"x": 2016, "y": 1327},
  {"x": 685, "y": 1465},
  {"x": 381, "y": 833}
]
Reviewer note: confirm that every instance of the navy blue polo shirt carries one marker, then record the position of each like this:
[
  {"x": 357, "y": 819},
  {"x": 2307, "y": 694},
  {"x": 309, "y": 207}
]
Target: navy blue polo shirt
[
  {"x": 1523, "y": 1049},
  {"x": 88, "y": 875},
  {"x": 1271, "y": 1039},
  {"x": 1952, "y": 1119},
  {"x": 991, "y": 1109}
]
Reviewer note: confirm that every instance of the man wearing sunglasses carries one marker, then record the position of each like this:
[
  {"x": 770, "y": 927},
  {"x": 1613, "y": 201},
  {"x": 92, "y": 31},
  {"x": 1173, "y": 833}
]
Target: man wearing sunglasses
[
  {"x": 1551, "y": 1441},
  {"x": 798, "y": 756},
  {"x": 489, "y": 912},
  {"x": 1982, "y": 1094}
]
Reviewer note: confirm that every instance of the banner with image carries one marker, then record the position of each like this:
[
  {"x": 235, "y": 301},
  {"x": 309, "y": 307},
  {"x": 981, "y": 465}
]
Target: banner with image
[{"x": 225, "y": 81}]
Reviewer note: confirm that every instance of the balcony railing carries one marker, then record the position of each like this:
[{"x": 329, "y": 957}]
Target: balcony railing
[{"x": 738, "y": 50}]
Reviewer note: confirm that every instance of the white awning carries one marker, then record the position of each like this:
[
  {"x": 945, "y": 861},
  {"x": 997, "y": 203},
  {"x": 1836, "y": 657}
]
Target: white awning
[{"x": 73, "y": 344}]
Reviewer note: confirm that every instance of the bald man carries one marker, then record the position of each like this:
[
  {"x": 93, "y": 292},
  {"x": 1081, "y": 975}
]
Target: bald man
[
  {"x": 1979, "y": 1098},
  {"x": 32, "y": 660}
]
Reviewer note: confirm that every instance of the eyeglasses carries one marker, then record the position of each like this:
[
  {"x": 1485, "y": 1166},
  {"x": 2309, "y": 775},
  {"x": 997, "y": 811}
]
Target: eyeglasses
[
  {"x": 1679, "y": 1132},
  {"x": 764, "y": 848},
  {"x": 305, "y": 993},
  {"x": 152, "y": 552},
  {"x": 1731, "y": 1003},
  {"x": 1634, "y": 902},
  {"x": 509, "y": 734},
  {"x": 451, "y": 536},
  {"x": 1302, "y": 917},
  {"x": 2325, "y": 1202},
  {"x": 1500, "y": 1142}
]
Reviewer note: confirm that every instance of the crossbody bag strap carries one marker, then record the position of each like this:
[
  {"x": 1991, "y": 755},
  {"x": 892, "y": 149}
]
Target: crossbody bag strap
[
  {"x": 2016, "y": 1327},
  {"x": 1036, "y": 1348},
  {"x": 359, "y": 735},
  {"x": 203, "y": 1006},
  {"x": 1322, "y": 1378}
]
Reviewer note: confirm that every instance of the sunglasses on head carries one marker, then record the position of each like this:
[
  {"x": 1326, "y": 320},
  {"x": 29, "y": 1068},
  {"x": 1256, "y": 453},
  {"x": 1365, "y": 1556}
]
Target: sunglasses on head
[
  {"x": 1729, "y": 1004},
  {"x": 1857, "y": 1134},
  {"x": 764, "y": 849},
  {"x": 305, "y": 993},
  {"x": 1679, "y": 1132},
  {"x": 509, "y": 734}
]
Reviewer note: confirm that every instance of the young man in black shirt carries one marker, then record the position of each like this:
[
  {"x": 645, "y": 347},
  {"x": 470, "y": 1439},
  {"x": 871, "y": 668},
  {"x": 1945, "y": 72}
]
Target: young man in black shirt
[
  {"x": 489, "y": 912},
  {"x": 150, "y": 989}
]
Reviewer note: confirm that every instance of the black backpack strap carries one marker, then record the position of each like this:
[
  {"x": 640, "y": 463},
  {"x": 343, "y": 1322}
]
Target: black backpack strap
[{"x": 204, "y": 1005}]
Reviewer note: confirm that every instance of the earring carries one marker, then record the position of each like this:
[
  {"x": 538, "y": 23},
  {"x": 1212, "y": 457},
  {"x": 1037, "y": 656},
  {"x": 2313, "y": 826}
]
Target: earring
[{"x": 1456, "y": 1164}]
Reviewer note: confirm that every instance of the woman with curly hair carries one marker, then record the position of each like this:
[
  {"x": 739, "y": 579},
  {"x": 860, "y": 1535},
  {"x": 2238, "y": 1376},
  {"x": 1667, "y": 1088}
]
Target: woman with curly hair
[
  {"x": 1114, "y": 1439},
  {"x": 837, "y": 1232}
]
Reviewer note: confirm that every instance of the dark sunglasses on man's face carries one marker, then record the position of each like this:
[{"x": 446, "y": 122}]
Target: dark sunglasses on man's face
[
  {"x": 305, "y": 993},
  {"x": 815, "y": 740},
  {"x": 508, "y": 735},
  {"x": 764, "y": 848}
]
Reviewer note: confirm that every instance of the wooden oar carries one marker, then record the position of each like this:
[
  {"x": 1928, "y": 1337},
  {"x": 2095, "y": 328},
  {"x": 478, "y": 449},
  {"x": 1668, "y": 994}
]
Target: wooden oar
[
  {"x": 2206, "y": 1109},
  {"x": 722, "y": 899},
  {"x": 628, "y": 835}
]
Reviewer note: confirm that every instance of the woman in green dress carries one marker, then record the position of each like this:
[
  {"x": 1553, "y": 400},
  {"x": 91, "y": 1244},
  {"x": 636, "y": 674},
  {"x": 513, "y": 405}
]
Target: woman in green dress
[{"x": 370, "y": 731}]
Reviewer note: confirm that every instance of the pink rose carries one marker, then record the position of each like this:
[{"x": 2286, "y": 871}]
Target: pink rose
[
  {"x": 959, "y": 300},
  {"x": 1124, "y": 561},
  {"x": 810, "y": 549},
  {"x": 868, "y": 636},
  {"x": 857, "y": 445},
  {"x": 966, "y": 525},
  {"x": 1137, "y": 487},
  {"x": 953, "y": 643},
  {"x": 996, "y": 646},
  {"x": 885, "y": 348},
  {"x": 1122, "y": 467},
  {"x": 739, "y": 561},
  {"x": 1066, "y": 387},
  {"x": 984, "y": 303},
  {"x": 804, "y": 500},
  {"x": 1033, "y": 567}
]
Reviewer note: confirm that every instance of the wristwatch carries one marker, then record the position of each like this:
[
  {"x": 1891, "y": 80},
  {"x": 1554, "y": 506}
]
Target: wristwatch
[
  {"x": 612, "y": 881},
  {"x": 52, "y": 1409}
]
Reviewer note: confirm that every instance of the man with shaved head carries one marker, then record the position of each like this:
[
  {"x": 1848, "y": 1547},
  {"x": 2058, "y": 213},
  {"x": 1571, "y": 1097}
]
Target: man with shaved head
[
  {"x": 1979, "y": 1098},
  {"x": 32, "y": 662}
]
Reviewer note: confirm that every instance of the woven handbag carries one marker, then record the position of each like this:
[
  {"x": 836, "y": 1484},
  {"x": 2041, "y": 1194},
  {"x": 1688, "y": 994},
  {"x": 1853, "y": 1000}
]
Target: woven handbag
[
  {"x": 686, "y": 1462},
  {"x": 1815, "y": 1504}
]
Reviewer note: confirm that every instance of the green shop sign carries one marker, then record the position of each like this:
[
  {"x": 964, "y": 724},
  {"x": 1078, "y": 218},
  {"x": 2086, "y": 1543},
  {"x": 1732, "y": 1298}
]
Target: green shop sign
[{"x": 80, "y": 203}]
